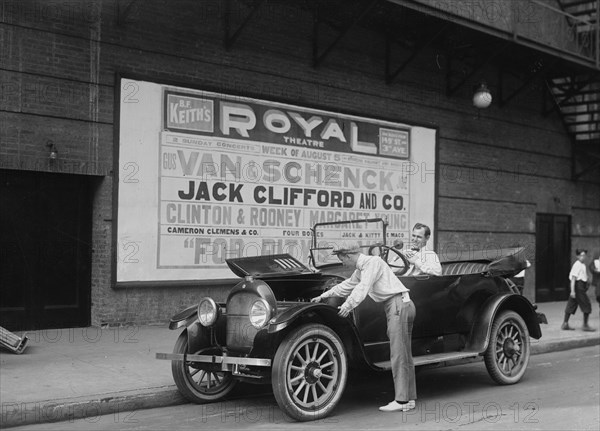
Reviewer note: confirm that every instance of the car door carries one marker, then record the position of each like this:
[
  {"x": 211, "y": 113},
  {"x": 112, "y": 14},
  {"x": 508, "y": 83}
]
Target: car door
[{"x": 437, "y": 302}]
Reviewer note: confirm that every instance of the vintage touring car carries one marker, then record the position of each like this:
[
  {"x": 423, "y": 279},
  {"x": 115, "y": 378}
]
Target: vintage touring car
[{"x": 268, "y": 331}]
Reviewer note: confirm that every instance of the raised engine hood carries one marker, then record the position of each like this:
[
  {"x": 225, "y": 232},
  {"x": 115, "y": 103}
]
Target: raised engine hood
[{"x": 265, "y": 266}]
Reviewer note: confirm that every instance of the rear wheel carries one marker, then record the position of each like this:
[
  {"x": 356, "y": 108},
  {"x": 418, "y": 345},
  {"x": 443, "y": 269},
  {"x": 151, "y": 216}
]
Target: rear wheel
[
  {"x": 309, "y": 372},
  {"x": 507, "y": 355},
  {"x": 199, "y": 382}
]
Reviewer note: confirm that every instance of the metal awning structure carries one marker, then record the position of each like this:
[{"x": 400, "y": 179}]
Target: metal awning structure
[{"x": 533, "y": 44}]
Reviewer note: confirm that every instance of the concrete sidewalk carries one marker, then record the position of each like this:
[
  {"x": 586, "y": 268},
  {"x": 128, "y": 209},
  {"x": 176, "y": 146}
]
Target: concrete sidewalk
[{"x": 81, "y": 372}]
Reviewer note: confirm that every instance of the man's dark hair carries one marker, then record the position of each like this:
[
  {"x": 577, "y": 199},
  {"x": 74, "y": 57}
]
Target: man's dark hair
[
  {"x": 423, "y": 226},
  {"x": 579, "y": 251}
]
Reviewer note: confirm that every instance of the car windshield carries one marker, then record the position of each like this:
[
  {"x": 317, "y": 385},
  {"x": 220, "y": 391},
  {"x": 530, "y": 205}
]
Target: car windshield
[{"x": 335, "y": 235}]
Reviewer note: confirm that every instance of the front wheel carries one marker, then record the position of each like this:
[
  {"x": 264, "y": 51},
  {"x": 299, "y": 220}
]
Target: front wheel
[
  {"x": 309, "y": 373},
  {"x": 199, "y": 382},
  {"x": 507, "y": 355}
]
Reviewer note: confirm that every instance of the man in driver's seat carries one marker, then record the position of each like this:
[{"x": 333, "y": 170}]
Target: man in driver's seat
[{"x": 422, "y": 260}]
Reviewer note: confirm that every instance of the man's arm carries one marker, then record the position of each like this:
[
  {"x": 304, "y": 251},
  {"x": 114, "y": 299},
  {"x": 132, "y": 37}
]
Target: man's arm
[
  {"x": 428, "y": 263},
  {"x": 342, "y": 289},
  {"x": 368, "y": 276}
]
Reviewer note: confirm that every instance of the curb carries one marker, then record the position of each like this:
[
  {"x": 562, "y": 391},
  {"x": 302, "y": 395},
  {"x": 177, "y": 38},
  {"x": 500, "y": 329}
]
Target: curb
[
  {"x": 559, "y": 345},
  {"x": 123, "y": 403},
  {"x": 120, "y": 404}
]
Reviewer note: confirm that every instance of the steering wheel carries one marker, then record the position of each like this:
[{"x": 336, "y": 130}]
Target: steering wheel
[{"x": 384, "y": 251}]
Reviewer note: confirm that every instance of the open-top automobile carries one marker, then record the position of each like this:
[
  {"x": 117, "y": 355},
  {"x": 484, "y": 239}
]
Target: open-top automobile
[{"x": 267, "y": 331}]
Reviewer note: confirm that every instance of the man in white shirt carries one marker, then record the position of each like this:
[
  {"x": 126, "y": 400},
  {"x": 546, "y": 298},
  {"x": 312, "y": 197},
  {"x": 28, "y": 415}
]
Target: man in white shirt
[
  {"x": 578, "y": 280},
  {"x": 373, "y": 277},
  {"x": 422, "y": 261}
]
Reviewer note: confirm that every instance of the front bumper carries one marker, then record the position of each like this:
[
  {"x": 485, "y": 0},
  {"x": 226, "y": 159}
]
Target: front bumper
[{"x": 228, "y": 363}]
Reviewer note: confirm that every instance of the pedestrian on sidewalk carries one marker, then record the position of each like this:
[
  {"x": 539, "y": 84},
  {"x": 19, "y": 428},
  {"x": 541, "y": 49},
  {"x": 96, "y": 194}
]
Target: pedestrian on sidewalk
[
  {"x": 578, "y": 279},
  {"x": 595, "y": 271}
]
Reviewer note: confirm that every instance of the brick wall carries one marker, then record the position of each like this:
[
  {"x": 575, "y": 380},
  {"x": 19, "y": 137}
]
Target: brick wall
[{"x": 58, "y": 66}]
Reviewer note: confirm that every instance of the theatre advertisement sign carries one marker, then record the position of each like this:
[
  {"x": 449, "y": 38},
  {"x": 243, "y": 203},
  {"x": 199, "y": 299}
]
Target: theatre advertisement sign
[{"x": 205, "y": 176}]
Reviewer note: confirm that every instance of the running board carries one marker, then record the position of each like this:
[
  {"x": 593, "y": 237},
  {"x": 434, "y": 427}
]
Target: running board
[{"x": 432, "y": 359}]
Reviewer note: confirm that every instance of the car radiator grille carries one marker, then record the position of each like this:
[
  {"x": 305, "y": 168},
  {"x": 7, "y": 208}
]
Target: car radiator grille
[{"x": 240, "y": 332}]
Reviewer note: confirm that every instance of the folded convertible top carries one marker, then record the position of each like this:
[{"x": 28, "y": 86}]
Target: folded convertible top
[{"x": 512, "y": 262}]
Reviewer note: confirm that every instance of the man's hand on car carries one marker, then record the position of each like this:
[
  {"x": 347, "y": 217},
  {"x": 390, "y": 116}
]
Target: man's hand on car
[
  {"x": 317, "y": 299},
  {"x": 344, "y": 310}
]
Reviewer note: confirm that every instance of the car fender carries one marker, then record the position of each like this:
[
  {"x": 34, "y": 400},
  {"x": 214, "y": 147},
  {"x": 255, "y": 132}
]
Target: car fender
[
  {"x": 343, "y": 326},
  {"x": 198, "y": 335},
  {"x": 292, "y": 314},
  {"x": 184, "y": 318},
  {"x": 482, "y": 324}
]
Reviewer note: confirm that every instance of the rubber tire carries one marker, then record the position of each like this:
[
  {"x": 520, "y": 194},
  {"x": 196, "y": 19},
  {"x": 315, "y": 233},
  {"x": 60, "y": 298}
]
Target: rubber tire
[
  {"x": 183, "y": 379},
  {"x": 285, "y": 356},
  {"x": 491, "y": 356}
]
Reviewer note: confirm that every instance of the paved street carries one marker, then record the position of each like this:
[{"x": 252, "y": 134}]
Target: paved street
[{"x": 560, "y": 391}]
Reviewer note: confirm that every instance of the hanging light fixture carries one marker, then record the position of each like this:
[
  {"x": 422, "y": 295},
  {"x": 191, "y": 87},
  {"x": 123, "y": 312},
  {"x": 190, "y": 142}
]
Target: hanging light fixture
[{"x": 482, "y": 98}]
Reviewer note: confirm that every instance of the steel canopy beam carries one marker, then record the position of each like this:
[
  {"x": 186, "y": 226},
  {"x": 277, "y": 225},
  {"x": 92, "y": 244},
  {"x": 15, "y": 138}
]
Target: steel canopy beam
[
  {"x": 530, "y": 79},
  {"x": 390, "y": 76},
  {"x": 231, "y": 38},
  {"x": 477, "y": 68},
  {"x": 123, "y": 15},
  {"x": 319, "y": 57}
]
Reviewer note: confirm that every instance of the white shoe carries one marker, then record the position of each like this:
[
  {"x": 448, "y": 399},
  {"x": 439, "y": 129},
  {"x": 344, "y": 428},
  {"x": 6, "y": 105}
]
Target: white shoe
[{"x": 395, "y": 406}]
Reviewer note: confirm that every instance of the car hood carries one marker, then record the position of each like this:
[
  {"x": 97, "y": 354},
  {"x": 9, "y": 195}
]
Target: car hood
[
  {"x": 337, "y": 271},
  {"x": 275, "y": 265}
]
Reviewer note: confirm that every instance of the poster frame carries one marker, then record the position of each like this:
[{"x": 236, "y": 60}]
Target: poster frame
[{"x": 121, "y": 75}]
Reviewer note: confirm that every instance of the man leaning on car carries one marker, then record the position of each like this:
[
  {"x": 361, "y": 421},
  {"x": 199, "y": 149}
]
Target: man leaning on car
[{"x": 372, "y": 276}]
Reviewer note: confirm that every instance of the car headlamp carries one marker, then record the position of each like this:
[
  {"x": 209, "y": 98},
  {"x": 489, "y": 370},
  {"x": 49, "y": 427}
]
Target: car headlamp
[
  {"x": 207, "y": 312},
  {"x": 260, "y": 313}
]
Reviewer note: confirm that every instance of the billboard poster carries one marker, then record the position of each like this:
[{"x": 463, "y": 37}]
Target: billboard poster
[{"x": 220, "y": 176}]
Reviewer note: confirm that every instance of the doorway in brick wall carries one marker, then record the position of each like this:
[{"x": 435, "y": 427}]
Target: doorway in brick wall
[
  {"x": 45, "y": 250},
  {"x": 553, "y": 257}
]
